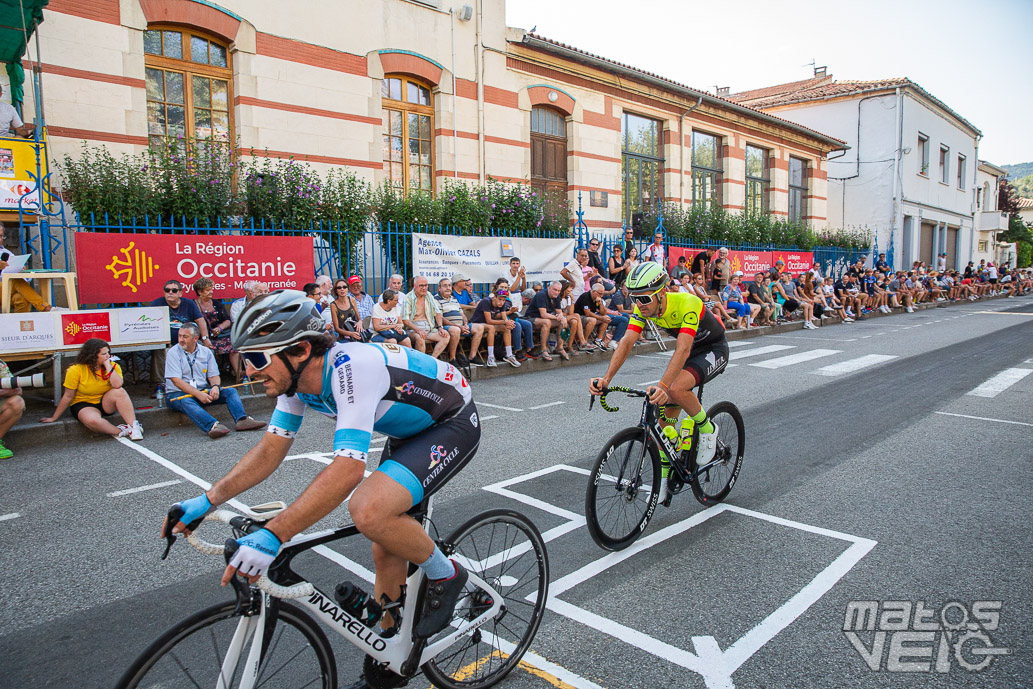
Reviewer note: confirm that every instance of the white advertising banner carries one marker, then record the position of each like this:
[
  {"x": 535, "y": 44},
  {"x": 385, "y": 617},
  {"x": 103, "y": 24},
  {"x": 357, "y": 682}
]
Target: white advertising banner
[
  {"x": 143, "y": 324},
  {"x": 28, "y": 332},
  {"x": 484, "y": 259},
  {"x": 67, "y": 330}
]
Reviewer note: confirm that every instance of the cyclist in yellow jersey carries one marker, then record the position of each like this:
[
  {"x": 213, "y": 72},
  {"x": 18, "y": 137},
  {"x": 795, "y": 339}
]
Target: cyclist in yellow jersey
[{"x": 700, "y": 353}]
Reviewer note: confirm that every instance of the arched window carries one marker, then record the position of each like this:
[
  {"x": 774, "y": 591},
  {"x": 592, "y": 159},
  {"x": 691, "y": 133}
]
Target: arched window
[
  {"x": 549, "y": 154},
  {"x": 189, "y": 85},
  {"x": 408, "y": 134}
]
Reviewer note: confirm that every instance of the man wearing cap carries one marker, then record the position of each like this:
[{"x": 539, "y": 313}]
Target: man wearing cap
[
  {"x": 463, "y": 294},
  {"x": 775, "y": 271},
  {"x": 364, "y": 301}
]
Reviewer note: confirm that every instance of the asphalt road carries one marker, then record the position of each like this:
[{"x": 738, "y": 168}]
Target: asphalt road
[{"x": 871, "y": 474}]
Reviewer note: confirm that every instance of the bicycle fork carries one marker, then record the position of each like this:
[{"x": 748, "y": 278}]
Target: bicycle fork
[{"x": 249, "y": 628}]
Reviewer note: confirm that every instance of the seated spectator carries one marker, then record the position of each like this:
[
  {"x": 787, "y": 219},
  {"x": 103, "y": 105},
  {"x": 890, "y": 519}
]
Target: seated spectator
[
  {"x": 325, "y": 285},
  {"x": 545, "y": 313},
  {"x": 421, "y": 315},
  {"x": 387, "y": 320},
  {"x": 787, "y": 288},
  {"x": 93, "y": 390},
  {"x": 775, "y": 271},
  {"x": 808, "y": 292},
  {"x": 760, "y": 301},
  {"x": 899, "y": 293},
  {"x": 238, "y": 304},
  {"x": 620, "y": 310},
  {"x": 181, "y": 310},
  {"x": 492, "y": 310},
  {"x": 537, "y": 287},
  {"x": 697, "y": 286},
  {"x": 463, "y": 293},
  {"x": 311, "y": 291},
  {"x": 218, "y": 322},
  {"x": 344, "y": 314},
  {"x": 575, "y": 325},
  {"x": 848, "y": 294},
  {"x": 731, "y": 295},
  {"x": 192, "y": 383},
  {"x": 591, "y": 306},
  {"x": 681, "y": 270},
  {"x": 458, "y": 325},
  {"x": 830, "y": 301},
  {"x": 24, "y": 299},
  {"x": 523, "y": 333},
  {"x": 364, "y": 301},
  {"x": 12, "y": 406}
]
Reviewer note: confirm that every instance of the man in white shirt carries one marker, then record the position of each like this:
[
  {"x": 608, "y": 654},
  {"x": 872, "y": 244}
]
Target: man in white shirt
[
  {"x": 192, "y": 374},
  {"x": 11, "y": 123},
  {"x": 577, "y": 272},
  {"x": 655, "y": 251},
  {"x": 516, "y": 277}
]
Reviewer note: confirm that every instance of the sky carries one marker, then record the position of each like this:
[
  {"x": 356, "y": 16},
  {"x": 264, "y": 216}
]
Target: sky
[{"x": 973, "y": 56}]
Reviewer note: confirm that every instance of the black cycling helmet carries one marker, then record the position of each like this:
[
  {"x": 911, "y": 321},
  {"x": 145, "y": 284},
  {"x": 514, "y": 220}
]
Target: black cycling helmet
[{"x": 277, "y": 319}]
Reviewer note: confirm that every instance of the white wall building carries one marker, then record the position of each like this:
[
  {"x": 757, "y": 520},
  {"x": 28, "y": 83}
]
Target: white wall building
[
  {"x": 910, "y": 171},
  {"x": 989, "y": 219}
]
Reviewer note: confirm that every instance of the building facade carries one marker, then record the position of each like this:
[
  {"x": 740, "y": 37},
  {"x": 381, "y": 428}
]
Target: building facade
[
  {"x": 910, "y": 172},
  {"x": 989, "y": 220},
  {"x": 411, "y": 93}
]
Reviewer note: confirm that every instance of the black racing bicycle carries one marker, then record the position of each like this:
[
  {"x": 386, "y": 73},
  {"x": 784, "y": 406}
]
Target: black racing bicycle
[
  {"x": 624, "y": 484},
  {"x": 269, "y": 637}
]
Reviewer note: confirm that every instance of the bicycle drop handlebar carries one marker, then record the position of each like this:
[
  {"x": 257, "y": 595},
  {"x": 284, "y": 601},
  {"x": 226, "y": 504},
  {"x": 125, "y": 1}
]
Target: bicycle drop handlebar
[
  {"x": 275, "y": 590},
  {"x": 631, "y": 392}
]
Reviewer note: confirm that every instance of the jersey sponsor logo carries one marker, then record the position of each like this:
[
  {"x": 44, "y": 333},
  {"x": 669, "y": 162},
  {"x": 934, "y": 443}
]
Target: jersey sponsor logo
[
  {"x": 345, "y": 383},
  {"x": 473, "y": 419},
  {"x": 438, "y": 461},
  {"x": 315, "y": 323},
  {"x": 340, "y": 359},
  {"x": 262, "y": 318},
  {"x": 391, "y": 347},
  {"x": 691, "y": 319},
  {"x": 410, "y": 388},
  {"x": 437, "y": 452}
]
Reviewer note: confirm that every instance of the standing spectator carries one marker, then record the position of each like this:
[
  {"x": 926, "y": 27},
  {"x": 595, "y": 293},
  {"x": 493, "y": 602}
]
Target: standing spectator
[
  {"x": 387, "y": 320},
  {"x": 523, "y": 332},
  {"x": 881, "y": 264},
  {"x": 856, "y": 271},
  {"x": 991, "y": 277},
  {"x": 681, "y": 270},
  {"x": 731, "y": 295},
  {"x": 577, "y": 273},
  {"x": 701, "y": 263},
  {"x": 181, "y": 310},
  {"x": 191, "y": 369},
  {"x": 93, "y": 390},
  {"x": 655, "y": 251},
  {"x": 464, "y": 295},
  {"x": 720, "y": 272},
  {"x": 218, "y": 321},
  {"x": 364, "y": 301},
  {"x": 12, "y": 406},
  {"x": 547, "y": 315},
  {"x": 941, "y": 263},
  {"x": 761, "y": 304},
  {"x": 11, "y": 122},
  {"x": 776, "y": 270},
  {"x": 344, "y": 314},
  {"x": 632, "y": 261},
  {"x": 620, "y": 311},
  {"x": 969, "y": 270},
  {"x": 238, "y": 304},
  {"x": 594, "y": 261},
  {"x": 458, "y": 325},
  {"x": 517, "y": 278},
  {"x": 421, "y": 315},
  {"x": 629, "y": 237},
  {"x": 617, "y": 265},
  {"x": 492, "y": 311}
]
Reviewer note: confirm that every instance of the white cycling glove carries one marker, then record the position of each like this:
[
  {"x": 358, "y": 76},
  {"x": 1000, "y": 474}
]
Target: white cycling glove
[{"x": 255, "y": 552}]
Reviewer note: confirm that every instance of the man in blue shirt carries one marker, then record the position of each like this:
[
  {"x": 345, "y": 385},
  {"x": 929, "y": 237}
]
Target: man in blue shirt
[{"x": 464, "y": 295}]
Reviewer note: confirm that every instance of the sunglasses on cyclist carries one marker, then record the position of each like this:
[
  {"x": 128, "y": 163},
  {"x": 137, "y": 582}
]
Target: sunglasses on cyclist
[
  {"x": 644, "y": 299},
  {"x": 261, "y": 358}
]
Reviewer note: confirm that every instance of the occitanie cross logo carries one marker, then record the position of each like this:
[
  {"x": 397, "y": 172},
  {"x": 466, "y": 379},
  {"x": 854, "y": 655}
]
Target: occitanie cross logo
[{"x": 134, "y": 268}]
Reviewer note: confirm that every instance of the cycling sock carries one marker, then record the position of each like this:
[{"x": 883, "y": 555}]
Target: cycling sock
[
  {"x": 438, "y": 566},
  {"x": 703, "y": 422},
  {"x": 509, "y": 350}
]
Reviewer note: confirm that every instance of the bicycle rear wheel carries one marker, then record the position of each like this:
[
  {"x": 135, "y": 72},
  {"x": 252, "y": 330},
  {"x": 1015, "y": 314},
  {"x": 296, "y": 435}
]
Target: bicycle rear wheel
[
  {"x": 711, "y": 486},
  {"x": 623, "y": 488},
  {"x": 297, "y": 653},
  {"x": 505, "y": 549}
]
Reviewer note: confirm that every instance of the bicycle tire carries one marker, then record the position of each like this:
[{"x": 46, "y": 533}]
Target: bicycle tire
[
  {"x": 614, "y": 500},
  {"x": 716, "y": 480},
  {"x": 471, "y": 662},
  {"x": 149, "y": 669}
]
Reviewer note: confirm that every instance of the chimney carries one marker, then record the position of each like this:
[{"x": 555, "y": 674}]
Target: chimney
[
  {"x": 820, "y": 71},
  {"x": 722, "y": 91}
]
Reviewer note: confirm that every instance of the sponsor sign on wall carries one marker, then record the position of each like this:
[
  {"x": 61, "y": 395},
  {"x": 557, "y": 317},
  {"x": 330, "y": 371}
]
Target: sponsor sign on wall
[
  {"x": 133, "y": 267},
  {"x": 79, "y": 326},
  {"x": 64, "y": 330},
  {"x": 751, "y": 262},
  {"x": 145, "y": 324},
  {"x": 27, "y": 331},
  {"x": 484, "y": 259}
]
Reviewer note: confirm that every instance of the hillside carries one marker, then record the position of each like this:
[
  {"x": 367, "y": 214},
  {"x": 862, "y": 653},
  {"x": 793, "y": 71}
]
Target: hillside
[
  {"x": 1023, "y": 186},
  {"x": 1018, "y": 170}
]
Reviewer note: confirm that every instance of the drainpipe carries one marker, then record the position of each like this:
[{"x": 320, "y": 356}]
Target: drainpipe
[
  {"x": 972, "y": 196},
  {"x": 455, "y": 100},
  {"x": 479, "y": 61},
  {"x": 681, "y": 151},
  {"x": 898, "y": 207}
]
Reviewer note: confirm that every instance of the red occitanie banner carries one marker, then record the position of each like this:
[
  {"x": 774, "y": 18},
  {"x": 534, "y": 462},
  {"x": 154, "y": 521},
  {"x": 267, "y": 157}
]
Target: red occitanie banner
[
  {"x": 76, "y": 328},
  {"x": 133, "y": 267},
  {"x": 750, "y": 262}
]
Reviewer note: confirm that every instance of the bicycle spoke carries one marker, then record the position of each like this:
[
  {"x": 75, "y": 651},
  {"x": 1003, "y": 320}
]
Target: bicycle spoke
[{"x": 183, "y": 669}]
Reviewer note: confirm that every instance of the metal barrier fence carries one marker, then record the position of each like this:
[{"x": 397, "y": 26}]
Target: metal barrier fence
[{"x": 374, "y": 251}]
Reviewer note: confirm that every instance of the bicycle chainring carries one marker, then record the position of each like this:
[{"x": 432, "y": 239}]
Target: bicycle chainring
[{"x": 379, "y": 677}]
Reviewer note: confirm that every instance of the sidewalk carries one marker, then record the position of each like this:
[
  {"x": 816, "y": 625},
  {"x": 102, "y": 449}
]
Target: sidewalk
[{"x": 38, "y": 404}]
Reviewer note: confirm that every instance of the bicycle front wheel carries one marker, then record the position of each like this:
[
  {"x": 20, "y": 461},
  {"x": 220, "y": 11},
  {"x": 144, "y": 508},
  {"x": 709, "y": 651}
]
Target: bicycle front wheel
[
  {"x": 712, "y": 485},
  {"x": 505, "y": 549},
  {"x": 623, "y": 489},
  {"x": 197, "y": 653}
]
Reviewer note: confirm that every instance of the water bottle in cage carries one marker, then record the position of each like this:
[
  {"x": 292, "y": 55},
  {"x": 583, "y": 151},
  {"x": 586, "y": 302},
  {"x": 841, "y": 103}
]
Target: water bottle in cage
[{"x": 358, "y": 603}]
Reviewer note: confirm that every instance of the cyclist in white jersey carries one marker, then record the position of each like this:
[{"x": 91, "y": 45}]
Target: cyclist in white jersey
[{"x": 423, "y": 405}]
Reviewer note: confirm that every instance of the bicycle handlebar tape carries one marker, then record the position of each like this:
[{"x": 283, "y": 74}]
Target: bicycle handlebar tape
[{"x": 602, "y": 402}]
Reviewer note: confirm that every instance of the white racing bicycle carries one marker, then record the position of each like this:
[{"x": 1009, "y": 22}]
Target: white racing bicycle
[{"x": 268, "y": 636}]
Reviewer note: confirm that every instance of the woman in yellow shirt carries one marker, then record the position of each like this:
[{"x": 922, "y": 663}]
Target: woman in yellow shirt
[{"x": 93, "y": 390}]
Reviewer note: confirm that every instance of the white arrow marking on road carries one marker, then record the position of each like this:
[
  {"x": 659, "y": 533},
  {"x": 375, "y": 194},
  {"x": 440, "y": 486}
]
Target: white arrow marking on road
[
  {"x": 759, "y": 350},
  {"x": 853, "y": 365},
  {"x": 153, "y": 486},
  {"x": 1001, "y": 382},
  {"x": 796, "y": 358}
]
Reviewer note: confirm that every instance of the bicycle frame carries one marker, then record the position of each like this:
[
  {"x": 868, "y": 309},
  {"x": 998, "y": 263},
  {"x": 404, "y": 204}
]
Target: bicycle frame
[{"x": 400, "y": 653}]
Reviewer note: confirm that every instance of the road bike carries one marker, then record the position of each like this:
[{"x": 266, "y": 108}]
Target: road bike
[
  {"x": 624, "y": 484},
  {"x": 269, "y": 637}
]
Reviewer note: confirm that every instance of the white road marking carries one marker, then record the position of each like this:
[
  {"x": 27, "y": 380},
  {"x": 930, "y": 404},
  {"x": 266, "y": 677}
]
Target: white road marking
[
  {"x": 796, "y": 358},
  {"x": 1001, "y": 382},
  {"x": 983, "y": 418},
  {"x": 650, "y": 356},
  {"x": 153, "y": 486},
  {"x": 10, "y": 515},
  {"x": 492, "y": 416},
  {"x": 1005, "y": 313},
  {"x": 823, "y": 339},
  {"x": 498, "y": 406},
  {"x": 853, "y": 365},
  {"x": 648, "y": 382},
  {"x": 768, "y": 349},
  {"x": 550, "y": 404},
  {"x": 741, "y": 343}
]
